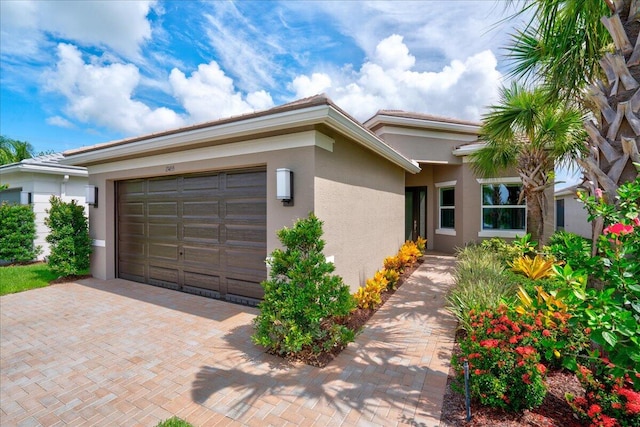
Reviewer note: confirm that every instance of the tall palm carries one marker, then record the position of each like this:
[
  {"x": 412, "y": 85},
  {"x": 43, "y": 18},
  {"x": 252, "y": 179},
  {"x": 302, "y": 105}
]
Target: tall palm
[
  {"x": 592, "y": 49},
  {"x": 529, "y": 134},
  {"x": 12, "y": 150}
]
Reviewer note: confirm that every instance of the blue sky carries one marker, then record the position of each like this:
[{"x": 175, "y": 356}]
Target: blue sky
[{"x": 78, "y": 73}]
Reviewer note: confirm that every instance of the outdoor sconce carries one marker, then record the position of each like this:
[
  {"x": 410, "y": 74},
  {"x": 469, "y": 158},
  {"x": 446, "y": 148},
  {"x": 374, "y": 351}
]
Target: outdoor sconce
[
  {"x": 25, "y": 198},
  {"x": 91, "y": 195},
  {"x": 284, "y": 186}
]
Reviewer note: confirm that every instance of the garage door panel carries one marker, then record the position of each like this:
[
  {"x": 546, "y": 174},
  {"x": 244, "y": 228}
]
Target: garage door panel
[
  {"x": 201, "y": 209},
  {"x": 168, "y": 209},
  {"x": 131, "y": 270},
  {"x": 206, "y": 257},
  {"x": 132, "y": 209},
  {"x": 198, "y": 183},
  {"x": 132, "y": 248},
  {"x": 202, "y": 233},
  {"x": 245, "y": 288},
  {"x": 131, "y": 228},
  {"x": 162, "y": 185},
  {"x": 245, "y": 209},
  {"x": 246, "y": 180},
  {"x": 132, "y": 188},
  {"x": 200, "y": 280},
  {"x": 246, "y": 235},
  {"x": 163, "y": 231},
  {"x": 166, "y": 251},
  {"x": 162, "y": 275}
]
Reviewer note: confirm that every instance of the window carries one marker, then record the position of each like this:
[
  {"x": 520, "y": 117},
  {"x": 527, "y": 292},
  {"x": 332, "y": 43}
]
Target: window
[
  {"x": 446, "y": 208},
  {"x": 500, "y": 207},
  {"x": 559, "y": 214}
]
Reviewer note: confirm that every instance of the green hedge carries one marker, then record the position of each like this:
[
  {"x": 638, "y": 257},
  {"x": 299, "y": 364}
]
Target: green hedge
[
  {"x": 17, "y": 233},
  {"x": 69, "y": 238}
]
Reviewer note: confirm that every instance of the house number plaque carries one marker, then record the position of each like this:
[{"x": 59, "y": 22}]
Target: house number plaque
[{"x": 169, "y": 168}]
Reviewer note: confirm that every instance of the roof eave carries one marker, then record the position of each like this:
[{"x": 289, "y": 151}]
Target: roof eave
[
  {"x": 312, "y": 115},
  {"x": 382, "y": 119}
]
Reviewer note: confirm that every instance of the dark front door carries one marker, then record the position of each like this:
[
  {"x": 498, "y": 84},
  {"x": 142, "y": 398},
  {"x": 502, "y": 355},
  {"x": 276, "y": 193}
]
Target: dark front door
[{"x": 415, "y": 213}]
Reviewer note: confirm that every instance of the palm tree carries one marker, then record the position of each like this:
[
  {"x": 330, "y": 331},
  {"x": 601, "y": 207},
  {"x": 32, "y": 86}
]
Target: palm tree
[
  {"x": 528, "y": 133},
  {"x": 12, "y": 150},
  {"x": 589, "y": 51}
]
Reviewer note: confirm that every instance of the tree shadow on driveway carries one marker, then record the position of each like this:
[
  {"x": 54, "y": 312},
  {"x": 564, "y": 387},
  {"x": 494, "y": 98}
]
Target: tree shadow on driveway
[{"x": 394, "y": 373}]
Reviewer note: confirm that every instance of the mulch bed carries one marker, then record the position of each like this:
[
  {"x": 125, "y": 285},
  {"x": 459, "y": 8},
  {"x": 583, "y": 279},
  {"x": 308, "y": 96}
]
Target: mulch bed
[
  {"x": 554, "y": 411},
  {"x": 355, "y": 321}
]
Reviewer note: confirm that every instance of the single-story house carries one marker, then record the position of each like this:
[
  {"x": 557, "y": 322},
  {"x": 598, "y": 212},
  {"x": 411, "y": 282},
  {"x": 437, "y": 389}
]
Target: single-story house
[
  {"x": 197, "y": 208},
  {"x": 571, "y": 214},
  {"x": 33, "y": 181}
]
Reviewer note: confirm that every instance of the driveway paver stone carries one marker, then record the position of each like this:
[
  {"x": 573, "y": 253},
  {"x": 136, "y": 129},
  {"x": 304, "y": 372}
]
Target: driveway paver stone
[{"x": 115, "y": 352}]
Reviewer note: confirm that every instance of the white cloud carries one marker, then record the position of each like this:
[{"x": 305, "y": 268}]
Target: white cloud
[
  {"x": 305, "y": 86},
  {"x": 119, "y": 25},
  {"x": 209, "y": 94},
  {"x": 460, "y": 89},
  {"x": 60, "y": 122},
  {"x": 103, "y": 95}
]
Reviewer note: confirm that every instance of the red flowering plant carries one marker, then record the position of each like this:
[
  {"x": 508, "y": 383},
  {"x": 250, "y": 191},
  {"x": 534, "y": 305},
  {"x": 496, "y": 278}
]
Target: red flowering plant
[
  {"x": 611, "y": 309},
  {"x": 504, "y": 363},
  {"x": 609, "y": 401}
]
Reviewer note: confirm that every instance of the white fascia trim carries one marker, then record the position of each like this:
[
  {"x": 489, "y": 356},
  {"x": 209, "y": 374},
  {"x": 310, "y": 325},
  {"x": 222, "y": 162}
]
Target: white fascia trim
[
  {"x": 354, "y": 130},
  {"x": 445, "y": 184},
  {"x": 262, "y": 145},
  {"x": 509, "y": 234},
  {"x": 432, "y": 162},
  {"x": 465, "y": 150},
  {"x": 238, "y": 128},
  {"x": 422, "y": 123},
  {"x": 505, "y": 180},
  {"x": 428, "y": 133},
  {"x": 446, "y": 231},
  {"x": 51, "y": 170}
]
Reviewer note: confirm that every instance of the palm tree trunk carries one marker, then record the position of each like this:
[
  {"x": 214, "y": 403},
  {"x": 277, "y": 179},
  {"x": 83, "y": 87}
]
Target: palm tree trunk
[
  {"x": 614, "y": 140},
  {"x": 535, "y": 216}
]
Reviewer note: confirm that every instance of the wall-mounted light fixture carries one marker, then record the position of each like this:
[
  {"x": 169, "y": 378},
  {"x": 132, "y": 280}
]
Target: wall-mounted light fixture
[
  {"x": 91, "y": 195},
  {"x": 284, "y": 186},
  {"x": 25, "y": 198}
]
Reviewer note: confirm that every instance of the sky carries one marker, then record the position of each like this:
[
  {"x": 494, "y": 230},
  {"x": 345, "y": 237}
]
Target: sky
[{"x": 76, "y": 73}]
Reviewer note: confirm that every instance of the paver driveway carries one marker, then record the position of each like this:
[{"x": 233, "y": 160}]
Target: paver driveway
[{"x": 122, "y": 353}]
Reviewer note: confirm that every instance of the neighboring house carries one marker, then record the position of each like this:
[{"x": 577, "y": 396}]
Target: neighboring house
[
  {"x": 198, "y": 208},
  {"x": 33, "y": 181},
  {"x": 571, "y": 214}
]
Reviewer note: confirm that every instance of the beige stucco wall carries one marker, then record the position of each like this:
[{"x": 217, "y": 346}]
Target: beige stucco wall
[
  {"x": 360, "y": 198},
  {"x": 358, "y": 195}
]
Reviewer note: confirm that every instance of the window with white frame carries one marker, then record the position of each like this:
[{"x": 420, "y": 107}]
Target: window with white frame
[
  {"x": 446, "y": 207},
  {"x": 501, "y": 210}
]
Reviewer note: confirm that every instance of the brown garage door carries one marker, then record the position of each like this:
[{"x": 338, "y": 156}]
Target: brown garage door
[{"x": 204, "y": 234}]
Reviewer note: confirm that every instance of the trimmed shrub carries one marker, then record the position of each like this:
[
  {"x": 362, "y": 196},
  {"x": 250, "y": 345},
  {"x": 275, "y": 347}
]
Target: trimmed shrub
[
  {"x": 69, "y": 238},
  {"x": 17, "y": 233},
  {"x": 302, "y": 300}
]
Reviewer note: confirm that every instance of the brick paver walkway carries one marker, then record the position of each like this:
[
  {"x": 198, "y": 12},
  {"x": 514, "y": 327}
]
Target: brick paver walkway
[{"x": 122, "y": 353}]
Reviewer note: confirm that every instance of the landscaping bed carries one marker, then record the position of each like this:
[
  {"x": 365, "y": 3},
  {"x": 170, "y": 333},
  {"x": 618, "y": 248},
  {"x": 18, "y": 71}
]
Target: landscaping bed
[{"x": 355, "y": 321}]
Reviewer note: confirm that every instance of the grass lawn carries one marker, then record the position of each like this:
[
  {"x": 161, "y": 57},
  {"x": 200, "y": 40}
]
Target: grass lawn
[
  {"x": 174, "y": 422},
  {"x": 18, "y": 278}
]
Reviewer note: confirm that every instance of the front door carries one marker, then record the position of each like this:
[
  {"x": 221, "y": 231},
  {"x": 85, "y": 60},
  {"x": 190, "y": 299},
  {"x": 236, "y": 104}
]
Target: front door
[{"x": 415, "y": 213}]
